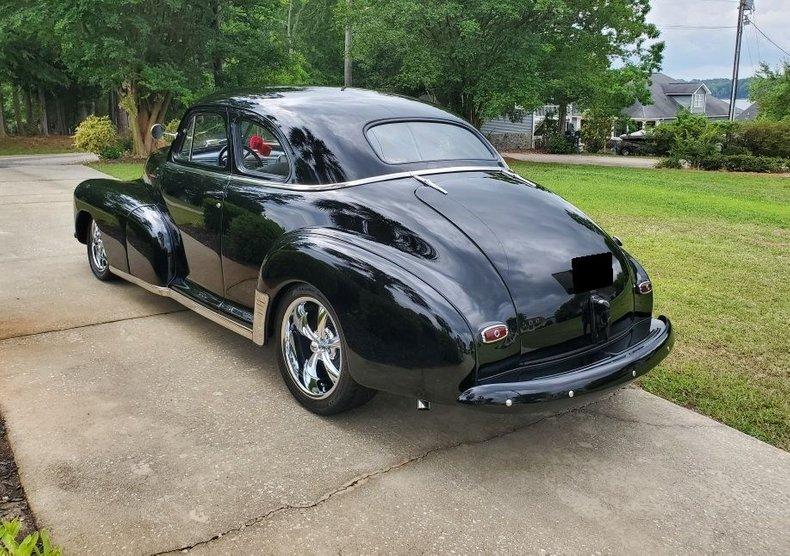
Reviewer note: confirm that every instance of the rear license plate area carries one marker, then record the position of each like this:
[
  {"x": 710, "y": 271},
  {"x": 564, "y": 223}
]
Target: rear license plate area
[{"x": 592, "y": 272}]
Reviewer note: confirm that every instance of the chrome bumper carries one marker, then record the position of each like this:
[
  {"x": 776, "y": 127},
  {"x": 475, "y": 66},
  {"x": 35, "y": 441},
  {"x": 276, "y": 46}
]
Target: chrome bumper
[{"x": 579, "y": 384}]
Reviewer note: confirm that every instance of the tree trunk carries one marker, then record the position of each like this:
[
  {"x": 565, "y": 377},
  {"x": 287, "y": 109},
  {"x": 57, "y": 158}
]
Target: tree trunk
[
  {"x": 42, "y": 99},
  {"x": 216, "y": 60},
  {"x": 28, "y": 106},
  {"x": 17, "y": 109},
  {"x": 347, "y": 48},
  {"x": 142, "y": 114},
  {"x": 562, "y": 114},
  {"x": 3, "y": 131}
]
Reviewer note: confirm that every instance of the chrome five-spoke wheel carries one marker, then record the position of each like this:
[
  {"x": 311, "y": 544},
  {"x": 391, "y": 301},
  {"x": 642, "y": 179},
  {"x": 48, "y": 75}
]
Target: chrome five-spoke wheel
[
  {"x": 313, "y": 354},
  {"x": 311, "y": 347},
  {"x": 98, "y": 256}
]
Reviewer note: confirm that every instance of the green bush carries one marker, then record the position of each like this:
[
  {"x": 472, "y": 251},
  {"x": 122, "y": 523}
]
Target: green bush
[
  {"x": 37, "y": 543},
  {"x": 556, "y": 143},
  {"x": 713, "y": 162},
  {"x": 97, "y": 134},
  {"x": 670, "y": 162},
  {"x": 764, "y": 138},
  {"x": 749, "y": 163},
  {"x": 595, "y": 133}
]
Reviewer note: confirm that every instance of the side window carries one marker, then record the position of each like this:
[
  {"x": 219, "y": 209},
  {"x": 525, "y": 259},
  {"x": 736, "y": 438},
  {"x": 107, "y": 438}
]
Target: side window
[
  {"x": 186, "y": 145},
  {"x": 260, "y": 152},
  {"x": 209, "y": 140}
]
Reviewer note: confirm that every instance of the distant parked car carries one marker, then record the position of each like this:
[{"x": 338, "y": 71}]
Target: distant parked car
[
  {"x": 380, "y": 244},
  {"x": 633, "y": 143}
]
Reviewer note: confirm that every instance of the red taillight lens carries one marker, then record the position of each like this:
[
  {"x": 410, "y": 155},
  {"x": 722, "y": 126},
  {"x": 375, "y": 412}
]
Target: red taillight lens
[
  {"x": 644, "y": 287},
  {"x": 494, "y": 333}
]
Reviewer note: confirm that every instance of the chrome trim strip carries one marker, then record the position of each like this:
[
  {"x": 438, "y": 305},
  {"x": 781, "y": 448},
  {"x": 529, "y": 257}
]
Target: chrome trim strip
[
  {"x": 186, "y": 302},
  {"x": 259, "y": 318},
  {"x": 372, "y": 179}
]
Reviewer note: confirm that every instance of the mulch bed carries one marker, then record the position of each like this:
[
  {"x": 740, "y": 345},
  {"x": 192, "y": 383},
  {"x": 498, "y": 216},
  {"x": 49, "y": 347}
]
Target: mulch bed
[{"x": 13, "y": 502}]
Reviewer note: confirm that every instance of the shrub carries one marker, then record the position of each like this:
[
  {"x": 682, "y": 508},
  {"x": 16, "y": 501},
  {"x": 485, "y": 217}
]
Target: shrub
[
  {"x": 713, "y": 162},
  {"x": 764, "y": 138},
  {"x": 556, "y": 143},
  {"x": 98, "y": 135},
  {"x": 595, "y": 133},
  {"x": 670, "y": 162},
  {"x": 37, "y": 543},
  {"x": 749, "y": 163}
]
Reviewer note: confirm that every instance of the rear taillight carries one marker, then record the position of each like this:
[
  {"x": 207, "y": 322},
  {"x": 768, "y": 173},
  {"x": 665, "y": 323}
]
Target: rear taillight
[
  {"x": 494, "y": 333},
  {"x": 645, "y": 287}
]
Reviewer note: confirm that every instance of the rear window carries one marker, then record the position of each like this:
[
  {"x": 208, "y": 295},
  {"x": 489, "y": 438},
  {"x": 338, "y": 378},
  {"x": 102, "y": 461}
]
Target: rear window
[{"x": 404, "y": 142}]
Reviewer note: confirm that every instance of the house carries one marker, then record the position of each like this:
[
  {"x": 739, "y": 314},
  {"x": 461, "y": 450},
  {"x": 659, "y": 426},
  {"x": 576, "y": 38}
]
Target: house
[
  {"x": 669, "y": 96},
  {"x": 749, "y": 113},
  {"x": 506, "y": 134}
]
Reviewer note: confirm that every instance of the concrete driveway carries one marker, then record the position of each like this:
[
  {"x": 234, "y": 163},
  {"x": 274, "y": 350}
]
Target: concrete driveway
[
  {"x": 142, "y": 428},
  {"x": 586, "y": 159}
]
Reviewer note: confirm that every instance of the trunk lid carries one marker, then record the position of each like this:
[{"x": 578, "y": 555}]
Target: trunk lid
[{"x": 532, "y": 236}]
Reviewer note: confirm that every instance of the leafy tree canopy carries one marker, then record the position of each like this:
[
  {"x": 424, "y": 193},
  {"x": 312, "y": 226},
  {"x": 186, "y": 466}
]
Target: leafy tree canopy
[{"x": 771, "y": 91}]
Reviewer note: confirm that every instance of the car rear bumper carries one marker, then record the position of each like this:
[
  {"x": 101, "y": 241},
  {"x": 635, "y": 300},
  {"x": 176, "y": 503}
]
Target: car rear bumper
[{"x": 578, "y": 385}]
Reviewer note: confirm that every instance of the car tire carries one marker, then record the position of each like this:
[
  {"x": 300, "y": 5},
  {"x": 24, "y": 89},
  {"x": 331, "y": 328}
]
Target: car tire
[
  {"x": 97, "y": 256},
  {"x": 312, "y": 356},
  {"x": 625, "y": 151}
]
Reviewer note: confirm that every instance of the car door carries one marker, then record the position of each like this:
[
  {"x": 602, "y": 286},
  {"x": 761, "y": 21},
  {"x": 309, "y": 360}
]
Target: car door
[
  {"x": 193, "y": 187},
  {"x": 256, "y": 204}
]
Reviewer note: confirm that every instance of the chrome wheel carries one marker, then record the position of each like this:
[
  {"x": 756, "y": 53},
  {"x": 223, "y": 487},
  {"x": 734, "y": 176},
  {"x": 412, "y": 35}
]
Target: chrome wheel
[
  {"x": 98, "y": 256},
  {"x": 311, "y": 347}
]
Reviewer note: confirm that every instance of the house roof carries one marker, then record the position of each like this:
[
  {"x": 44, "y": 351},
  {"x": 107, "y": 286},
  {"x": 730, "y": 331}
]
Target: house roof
[
  {"x": 683, "y": 88},
  {"x": 663, "y": 89},
  {"x": 750, "y": 113}
]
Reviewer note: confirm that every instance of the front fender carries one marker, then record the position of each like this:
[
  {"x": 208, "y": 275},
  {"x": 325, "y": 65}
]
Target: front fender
[
  {"x": 402, "y": 335},
  {"x": 139, "y": 236}
]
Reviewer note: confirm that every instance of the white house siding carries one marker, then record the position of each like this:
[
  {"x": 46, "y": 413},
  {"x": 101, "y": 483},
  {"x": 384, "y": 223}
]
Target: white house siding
[{"x": 505, "y": 134}]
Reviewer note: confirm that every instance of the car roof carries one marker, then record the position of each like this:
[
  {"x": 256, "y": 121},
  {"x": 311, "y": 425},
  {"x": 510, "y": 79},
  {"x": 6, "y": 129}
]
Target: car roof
[
  {"x": 325, "y": 127},
  {"x": 360, "y": 104}
]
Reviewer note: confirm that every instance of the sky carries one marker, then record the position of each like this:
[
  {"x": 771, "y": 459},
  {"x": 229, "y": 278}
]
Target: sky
[{"x": 708, "y": 53}]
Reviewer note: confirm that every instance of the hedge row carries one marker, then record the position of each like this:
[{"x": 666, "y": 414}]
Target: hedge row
[{"x": 733, "y": 163}]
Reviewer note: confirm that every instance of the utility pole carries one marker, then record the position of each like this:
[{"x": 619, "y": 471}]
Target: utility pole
[
  {"x": 743, "y": 5},
  {"x": 347, "y": 49}
]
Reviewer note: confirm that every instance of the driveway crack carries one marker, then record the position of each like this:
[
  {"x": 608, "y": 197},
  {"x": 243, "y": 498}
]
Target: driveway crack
[
  {"x": 364, "y": 478},
  {"x": 651, "y": 424}
]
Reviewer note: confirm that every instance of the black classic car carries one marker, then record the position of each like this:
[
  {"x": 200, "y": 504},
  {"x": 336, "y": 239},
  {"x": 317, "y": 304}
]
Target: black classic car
[{"x": 379, "y": 243}]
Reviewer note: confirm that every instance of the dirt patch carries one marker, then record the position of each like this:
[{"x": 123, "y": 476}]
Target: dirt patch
[{"x": 13, "y": 502}]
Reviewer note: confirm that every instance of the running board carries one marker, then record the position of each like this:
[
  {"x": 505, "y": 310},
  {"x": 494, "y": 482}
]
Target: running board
[{"x": 258, "y": 331}]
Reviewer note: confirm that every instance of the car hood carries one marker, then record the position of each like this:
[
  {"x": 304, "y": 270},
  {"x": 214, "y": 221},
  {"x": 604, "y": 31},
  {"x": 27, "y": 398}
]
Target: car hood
[{"x": 531, "y": 236}]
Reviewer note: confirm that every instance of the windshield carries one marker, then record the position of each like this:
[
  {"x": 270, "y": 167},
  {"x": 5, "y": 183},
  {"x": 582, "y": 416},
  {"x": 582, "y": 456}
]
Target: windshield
[{"x": 406, "y": 142}]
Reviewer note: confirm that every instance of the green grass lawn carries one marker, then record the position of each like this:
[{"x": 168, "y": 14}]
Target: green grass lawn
[
  {"x": 121, "y": 170},
  {"x": 54, "y": 144},
  {"x": 717, "y": 247}
]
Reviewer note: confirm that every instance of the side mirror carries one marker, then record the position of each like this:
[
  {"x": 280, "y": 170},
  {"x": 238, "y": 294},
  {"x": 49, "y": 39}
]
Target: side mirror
[{"x": 157, "y": 131}]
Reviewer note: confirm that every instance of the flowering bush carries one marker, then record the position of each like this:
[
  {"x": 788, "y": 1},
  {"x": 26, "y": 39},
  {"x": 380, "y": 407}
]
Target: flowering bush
[{"x": 97, "y": 134}]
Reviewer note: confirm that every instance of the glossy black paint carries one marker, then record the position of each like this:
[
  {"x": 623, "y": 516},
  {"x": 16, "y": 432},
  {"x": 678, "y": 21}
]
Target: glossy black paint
[{"x": 414, "y": 274}]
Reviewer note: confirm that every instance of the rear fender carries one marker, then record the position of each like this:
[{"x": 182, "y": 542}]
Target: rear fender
[{"x": 402, "y": 335}]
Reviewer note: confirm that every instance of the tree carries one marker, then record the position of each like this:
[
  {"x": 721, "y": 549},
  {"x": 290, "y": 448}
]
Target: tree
[
  {"x": 483, "y": 58},
  {"x": 477, "y": 57},
  {"x": 771, "y": 91},
  {"x": 597, "y": 56},
  {"x": 155, "y": 52}
]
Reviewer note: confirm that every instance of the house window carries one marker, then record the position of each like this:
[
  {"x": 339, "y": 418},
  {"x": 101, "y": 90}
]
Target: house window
[{"x": 698, "y": 102}]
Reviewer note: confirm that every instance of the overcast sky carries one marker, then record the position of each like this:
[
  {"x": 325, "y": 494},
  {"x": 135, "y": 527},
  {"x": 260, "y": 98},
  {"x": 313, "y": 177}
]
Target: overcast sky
[{"x": 708, "y": 53}]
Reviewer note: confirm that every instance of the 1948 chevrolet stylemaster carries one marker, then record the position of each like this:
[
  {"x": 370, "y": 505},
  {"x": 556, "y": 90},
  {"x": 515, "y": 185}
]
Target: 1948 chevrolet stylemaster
[{"x": 383, "y": 244}]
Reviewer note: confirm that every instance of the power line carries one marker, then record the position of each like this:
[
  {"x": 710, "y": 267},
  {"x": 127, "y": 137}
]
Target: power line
[
  {"x": 769, "y": 38},
  {"x": 693, "y": 27}
]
